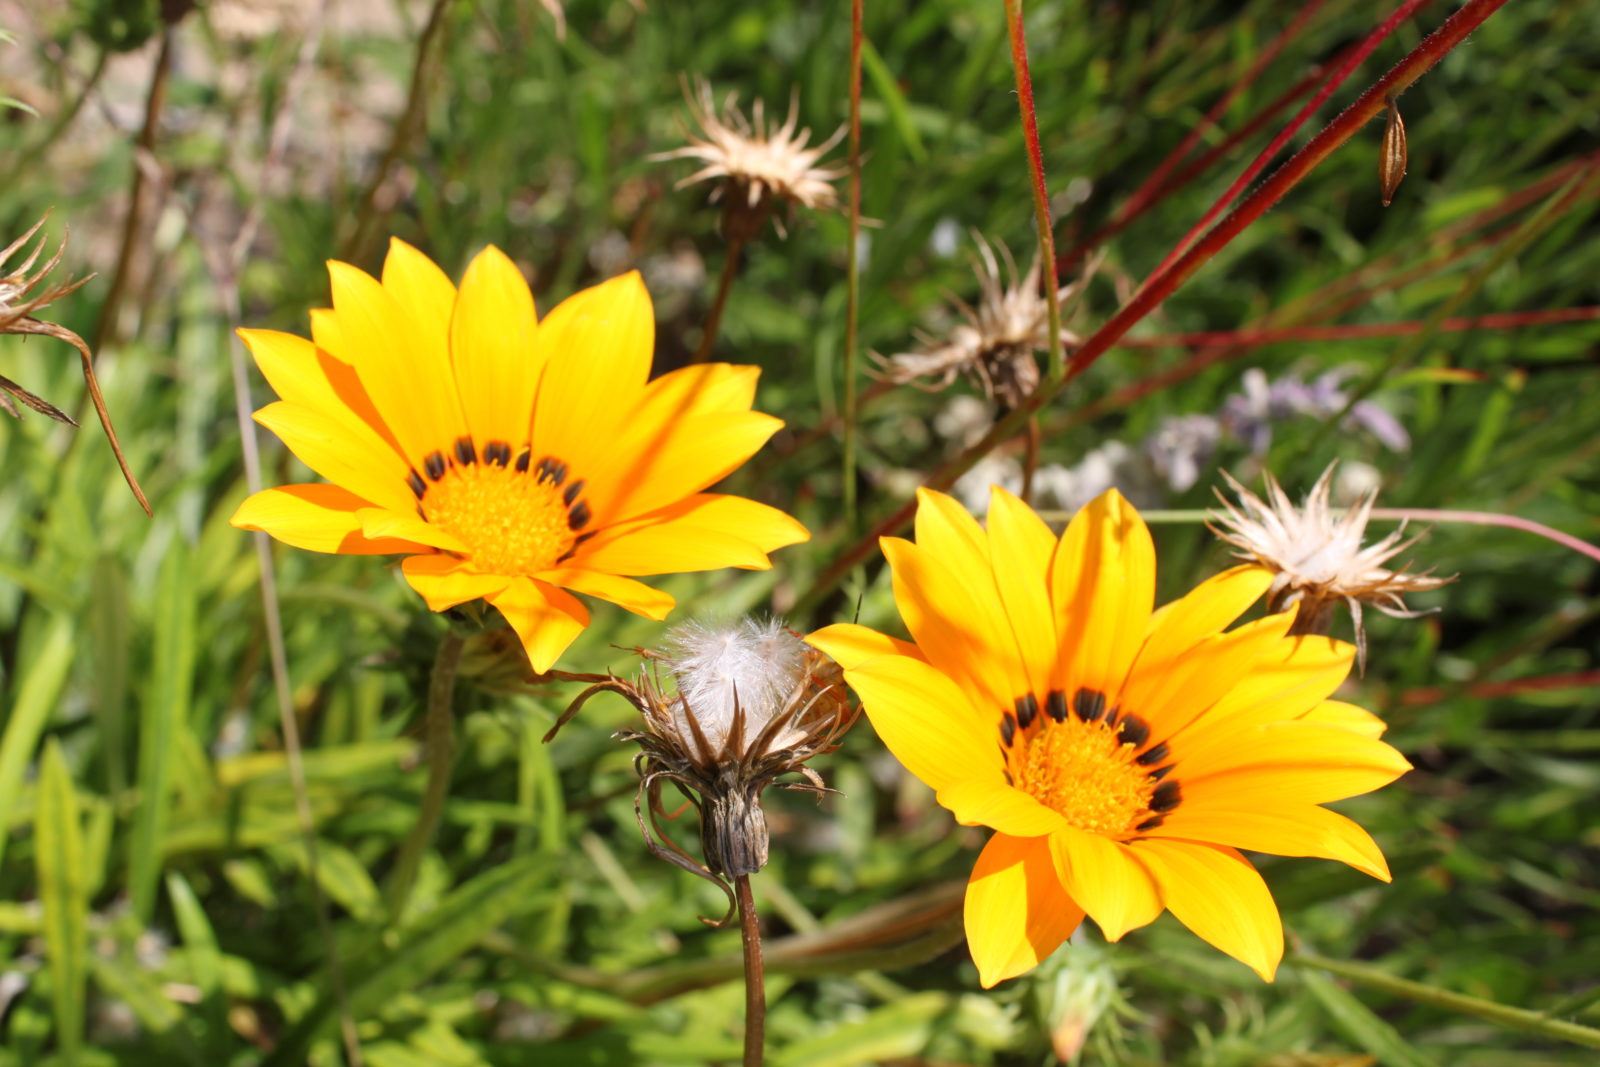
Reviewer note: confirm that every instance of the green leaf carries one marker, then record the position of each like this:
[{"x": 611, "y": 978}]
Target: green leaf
[
  {"x": 64, "y": 894},
  {"x": 39, "y": 685},
  {"x": 1359, "y": 1025},
  {"x": 199, "y": 939},
  {"x": 894, "y": 100}
]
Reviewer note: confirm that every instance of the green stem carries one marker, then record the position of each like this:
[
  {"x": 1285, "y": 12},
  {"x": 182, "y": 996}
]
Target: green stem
[
  {"x": 1503, "y": 1014},
  {"x": 755, "y": 991},
  {"x": 441, "y": 750}
]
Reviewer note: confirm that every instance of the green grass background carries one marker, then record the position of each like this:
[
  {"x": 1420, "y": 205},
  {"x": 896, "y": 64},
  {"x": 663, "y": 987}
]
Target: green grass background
[{"x": 155, "y": 892}]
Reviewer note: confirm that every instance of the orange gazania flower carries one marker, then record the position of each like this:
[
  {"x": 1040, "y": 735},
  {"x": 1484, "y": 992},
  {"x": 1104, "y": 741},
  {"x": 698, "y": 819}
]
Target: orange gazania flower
[
  {"x": 509, "y": 458},
  {"x": 1122, "y": 755}
]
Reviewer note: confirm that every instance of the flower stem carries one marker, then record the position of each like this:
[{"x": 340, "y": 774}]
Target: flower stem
[
  {"x": 1504, "y": 1014},
  {"x": 755, "y": 991},
  {"x": 853, "y": 271},
  {"x": 441, "y": 750},
  {"x": 730, "y": 267},
  {"x": 1041, "y": 196}
]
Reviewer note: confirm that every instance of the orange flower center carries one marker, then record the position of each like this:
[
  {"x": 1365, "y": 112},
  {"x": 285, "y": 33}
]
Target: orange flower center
[
  {"x": 1097, "y": 770},
  {"x": 516, "y": 517}
]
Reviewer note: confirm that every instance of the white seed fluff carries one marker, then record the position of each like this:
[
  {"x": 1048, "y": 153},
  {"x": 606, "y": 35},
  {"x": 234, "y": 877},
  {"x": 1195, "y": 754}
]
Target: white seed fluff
[{"x": 754, "y": 663}]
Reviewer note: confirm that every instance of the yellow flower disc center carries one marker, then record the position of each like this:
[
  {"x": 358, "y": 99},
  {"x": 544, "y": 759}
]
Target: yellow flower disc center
[
  {"x": 516, "y": 518},
  {"x": 1089, "y": 774}
]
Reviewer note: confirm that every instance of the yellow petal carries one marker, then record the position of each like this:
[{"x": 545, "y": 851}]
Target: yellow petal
[
  {"x": 1020, "y": 551},
  {"x": 492, "y": 350},
  {"x": 545, "y": 618},
  {"x": 955, "y": 619},
  {"x": 850, "y": 645},
  {"x": 381, "y": 522},
  {"x": 305, "y": 375},
  {"x": 1016, "y": 912},
  {"x": 1292, "y": 678},
  {"x": 624, "y": 592},
  {"x": 403, "y": 364},
  {"x": 1106, "y": 879},
  {"x": 1172, "y": 694},
  {"x": 1284, "y": 830},
  {"x": 1218, "y": 895},
  {"x": 1209, "y": 608},
  {"x": 987, "y": 800},
  {"x": 925, "y": 720},
  {"x": 595, "y": 348},
  {"x": 418, "y": 285},
  {"x": 1348, "y": 716},
  {"x": 320, "y": 518},
  {"x": 707, "y": 531},
  {"x": 444, "y": 581},
  {"x": 702, "y": 389},
  {"x": 639, "y": 477},
  {"x": 1285, "y": 763},
  {"x": 1102, "y": 584},
  {"x": 326, "y": 446}
]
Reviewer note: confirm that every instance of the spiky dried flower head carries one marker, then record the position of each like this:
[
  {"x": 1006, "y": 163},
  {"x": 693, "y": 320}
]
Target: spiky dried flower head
[
  {"x": 755, "y": 165},
  {"x": 728, "y": 709},
  {"x": 996, "y": 341},
  {"x": 20, "y": 300},
  {"x": 1317, "y": 557}
]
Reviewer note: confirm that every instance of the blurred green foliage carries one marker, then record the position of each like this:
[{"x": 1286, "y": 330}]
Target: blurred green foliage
[{"x": 157, "y": 900}]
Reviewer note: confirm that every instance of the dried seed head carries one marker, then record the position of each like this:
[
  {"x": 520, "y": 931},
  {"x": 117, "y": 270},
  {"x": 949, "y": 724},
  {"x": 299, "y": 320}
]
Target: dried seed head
[
  {"x": 995, "y": 342},
  {"x": 1317, "y": 556},
  {"x": 755, "y": 165},
  {"x": 728, "y": 709}
]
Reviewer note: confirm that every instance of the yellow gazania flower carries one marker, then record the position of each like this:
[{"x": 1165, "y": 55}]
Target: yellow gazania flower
[
  {"x": 1122, "y": 756},
  {"x": 512, "y": 459}
]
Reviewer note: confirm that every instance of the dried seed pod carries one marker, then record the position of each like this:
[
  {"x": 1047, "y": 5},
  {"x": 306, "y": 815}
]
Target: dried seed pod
[{"x": 1392, "y": 160}]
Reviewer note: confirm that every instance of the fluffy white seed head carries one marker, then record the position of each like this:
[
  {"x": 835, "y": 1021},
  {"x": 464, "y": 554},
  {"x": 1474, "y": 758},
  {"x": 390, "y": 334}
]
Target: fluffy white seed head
[{"x": 752, "y": 664}]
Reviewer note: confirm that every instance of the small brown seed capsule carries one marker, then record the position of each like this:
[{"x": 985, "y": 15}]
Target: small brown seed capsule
[{"x": 1392, "y": 161}]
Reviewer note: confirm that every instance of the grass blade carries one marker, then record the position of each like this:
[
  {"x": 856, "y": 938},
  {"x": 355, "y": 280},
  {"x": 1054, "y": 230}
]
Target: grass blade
[
  {"x": 38, "y": 688},
  {"x": 64, "y": 895}
]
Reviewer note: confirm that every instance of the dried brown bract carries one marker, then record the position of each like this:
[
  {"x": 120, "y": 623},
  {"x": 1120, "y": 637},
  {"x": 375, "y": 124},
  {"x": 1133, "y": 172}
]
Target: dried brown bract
[
  {"x": 727, "y": 710},
  {"x": 1317, "y": 556},
  {"x": 996, "y": 341},
  {"x": 756, "y": 166},
  {"x": 18, "y": 303}
]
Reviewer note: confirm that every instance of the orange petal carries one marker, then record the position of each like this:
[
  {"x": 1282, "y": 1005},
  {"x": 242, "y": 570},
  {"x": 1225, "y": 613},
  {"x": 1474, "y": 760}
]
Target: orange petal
[
  {"x": 1016, "y": 911},
  {"x": 545, "y": 618},
  {"x": 492, "y": 349},
  {"x": 320, "y": 518},
  {"x": 1102, "y": 584},
  {"x": 1218, "y": 895},
  {"x": 988, "y": 801},
  {"x": 635, "y": 478},
  {"x": 1174, "y": 693},
  {"x": 445, "y": 581},
  {"x": 1285, "y": 830},
  {"x": 704, "y": 532},
  {"x": 1106, "y": 879},
  {"x": 925, "y": 720},
  {"x": 624, "y": 592},
  {"x": 305, "y": 375},
  {"x": 850, "y": 645}
]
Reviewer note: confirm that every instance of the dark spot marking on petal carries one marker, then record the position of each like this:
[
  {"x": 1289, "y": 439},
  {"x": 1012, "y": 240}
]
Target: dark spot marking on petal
[
  {"x": 579, "y": 516},
  {"x": 1151, "y": 823},
  {"x": 552, "y": 469},
  {"x": 1089, "y": 704},
  {"x": 577, "y": 544},
  {"x": 1134, "y": 731},
  {"x": 1008, "y": 729},
  {"x": 1167, "y": 796},
  {"x": 1153, "y": 755},
  {"x": 1111, "y": 716},
  {"x": 523, "y": 459},
  {"x": 1009, "y": 780},
  {"x": 1055, "y": 705},
  {"x": 418, "y": 486},
  {"x": 572, "y": 492},
  {"x": 434, "y": 465},
  {"x": 498, "y": 453},
  {"x": 465, "y": 452},
  {"x": 1027, "y": 710},
  {"x": 1161, "y": 772}
]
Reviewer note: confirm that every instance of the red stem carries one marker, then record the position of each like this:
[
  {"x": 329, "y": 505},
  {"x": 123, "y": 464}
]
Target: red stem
[
  {"x": 1041, "y": 195},
  {"x": 1256, "y": 338},
  {"x": 1432, "y": 694},
  {"x": 1340, "y": 74},
  {"x": 1158, "y": 288},
  {"x": 1490, "y": 518}
]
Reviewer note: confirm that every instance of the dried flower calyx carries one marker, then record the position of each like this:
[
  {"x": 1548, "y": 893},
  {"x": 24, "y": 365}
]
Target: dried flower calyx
[
  {"x": 18, "y": 304},
  {"x": 755, "y": 165},
  {"x": 728, "y": 710},
  {"x": 1317, "y": 556},
  {"x": 996, "y": 341}
]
